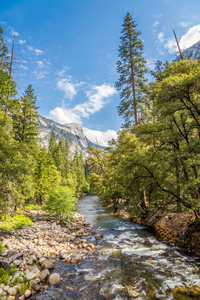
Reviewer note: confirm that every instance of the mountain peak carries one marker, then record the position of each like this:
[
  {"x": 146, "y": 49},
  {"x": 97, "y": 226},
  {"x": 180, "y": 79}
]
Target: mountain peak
[{"x": 72, "y": 131}]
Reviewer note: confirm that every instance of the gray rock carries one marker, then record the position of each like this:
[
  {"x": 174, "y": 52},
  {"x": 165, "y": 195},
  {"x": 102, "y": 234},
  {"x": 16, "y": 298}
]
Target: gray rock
[
  {"x": 30, "y": 275},
  {"x": 44, "y": 275},
  {"x": 47, "y": 264}
]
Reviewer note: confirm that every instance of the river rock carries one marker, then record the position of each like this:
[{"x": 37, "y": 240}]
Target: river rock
[
  {"x": 99, "y": 236},
  {"x": 11, "y": 298},
  {"x": 52, "y": 243},
  {"x": 21, "y": 297},
  {"x": 30, "y": 275},
  {"x": 44, "y": 274},
  {"x": 27, "y": 293},
  {"x": 12, "y": 291},
  {"x": 77, "y": 259},
  {"x": 54, "y": 278},
  {"x": 47, "y": 264},
  {"x": 17, "y": 262},
  {"x": 67, "y": 259},
  {"x": 130, "y": 292}
]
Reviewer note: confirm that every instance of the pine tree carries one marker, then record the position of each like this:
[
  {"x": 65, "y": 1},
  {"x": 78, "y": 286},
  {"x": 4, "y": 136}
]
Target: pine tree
[
  {"x": 131, "y": 68},
  {"x": 26, "y": 118},
  {"x": 4, "y": 58}
]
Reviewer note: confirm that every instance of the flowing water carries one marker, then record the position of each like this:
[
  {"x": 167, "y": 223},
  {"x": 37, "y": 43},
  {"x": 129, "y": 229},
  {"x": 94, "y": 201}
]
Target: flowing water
[{"x": 128, "y": 255}]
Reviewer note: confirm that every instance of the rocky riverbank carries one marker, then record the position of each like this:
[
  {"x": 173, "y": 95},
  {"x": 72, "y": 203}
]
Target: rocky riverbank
[
  {"x": 177, "y": 229},
  {"x": 36, "y": 245}
]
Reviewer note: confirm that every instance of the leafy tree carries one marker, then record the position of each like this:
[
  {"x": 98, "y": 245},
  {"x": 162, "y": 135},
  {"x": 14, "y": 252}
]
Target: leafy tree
[
  {"x": 60, "y": 202},
  {"x": 131, "y": 68}
]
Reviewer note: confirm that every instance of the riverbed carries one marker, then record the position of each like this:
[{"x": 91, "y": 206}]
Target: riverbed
[{"x": 127, "y": 256}]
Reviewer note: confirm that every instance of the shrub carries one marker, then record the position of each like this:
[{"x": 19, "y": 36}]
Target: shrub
[
  {"x": 16, "y": 222},
  {"x": 60, "y": 202}
]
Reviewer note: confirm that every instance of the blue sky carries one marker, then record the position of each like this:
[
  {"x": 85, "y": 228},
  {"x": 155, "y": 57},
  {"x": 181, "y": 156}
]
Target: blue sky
[{"x": 68, "y": 49}]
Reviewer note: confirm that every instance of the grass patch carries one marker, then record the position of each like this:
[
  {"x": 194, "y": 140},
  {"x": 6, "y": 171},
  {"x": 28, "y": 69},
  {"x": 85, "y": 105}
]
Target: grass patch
[
  {"x": 4, "y": 274},
  {"x": 16, "y": 222},
  {"x": 33, "y": 207}
]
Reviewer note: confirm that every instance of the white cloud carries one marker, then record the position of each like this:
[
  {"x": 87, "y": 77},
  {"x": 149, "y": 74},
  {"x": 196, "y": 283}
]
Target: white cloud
[
  {"x": 2, "y": 23},
  {"x": 99, "y": 137},
  {"x": 23, "y": 67},
  {"x": 155, "y": 24},
  {"x": 191, "y": 37},
  {"x": 38, "y": 52},
  {"x": 14, "y": 33},
  {"x": 63, "y": 115},
  {"x": 40, "y": 64},
  {"x": 161, "y": 37},
  {"x": 97, "y": 99},
  {"x": 67, "y": 87},
  {"x": 22, "y": 42}
]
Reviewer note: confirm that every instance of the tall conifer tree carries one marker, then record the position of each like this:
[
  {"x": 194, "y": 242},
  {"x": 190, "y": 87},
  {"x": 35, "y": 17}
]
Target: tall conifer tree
[{"x": 132, "y": 69}]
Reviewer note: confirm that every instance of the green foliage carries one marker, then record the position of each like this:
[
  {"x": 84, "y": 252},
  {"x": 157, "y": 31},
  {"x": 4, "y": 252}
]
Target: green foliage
[
  {"x": 2, "y": 248},
  {"x": 161, "y": 161},
  {"x": 33, "y": 207},
  {"x": 60, "y": 202},
  {"x": 4, "y": 274},
  {"x": 16, "y": 222},
  {"x": 24, "y": 286}
]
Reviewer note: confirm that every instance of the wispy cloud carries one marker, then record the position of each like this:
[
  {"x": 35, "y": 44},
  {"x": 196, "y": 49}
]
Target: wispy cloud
[
  {"x": 23, "y": 67},
  {"x": 161, "y": 38},
  {"x": 36, "y": 51},
  {"x": 191, "y": 37},
  {"x": 21, "y": 42},
  {"x": 155, "y": 24},
  {"x": 40, "y": 74},
  {"x": 185, "y": 24},
  {"x": 40, "y": 64},
  {"x": 14, "y": 33},
  {"x": 68, "y": 87},
  {"x": 97, "y": 99}
]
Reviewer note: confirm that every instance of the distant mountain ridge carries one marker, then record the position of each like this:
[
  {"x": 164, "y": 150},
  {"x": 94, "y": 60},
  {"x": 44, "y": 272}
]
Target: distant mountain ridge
[
  {"x": 192, "y": 52},
  {"x": 72, "y": 131}
]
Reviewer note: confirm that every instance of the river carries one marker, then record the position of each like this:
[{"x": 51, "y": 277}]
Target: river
[{"x": 128, "y": 255}]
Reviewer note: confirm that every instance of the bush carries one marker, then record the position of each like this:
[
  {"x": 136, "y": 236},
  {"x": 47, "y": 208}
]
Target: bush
[
  {"x": 17, "y": 222},
  {"x": 60, "y": 202}
]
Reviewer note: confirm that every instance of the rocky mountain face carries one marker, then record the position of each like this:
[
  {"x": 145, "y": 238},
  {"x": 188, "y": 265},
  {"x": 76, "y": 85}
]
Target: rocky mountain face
[
  {"x": 72, "y": 131},
  {"x": 191, "y": 52}
]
